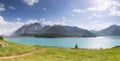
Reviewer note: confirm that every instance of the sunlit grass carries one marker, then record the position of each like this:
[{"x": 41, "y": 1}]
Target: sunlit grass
[
  {"x": 14, "y": 48},
  {"x": 61, "y": 54}
]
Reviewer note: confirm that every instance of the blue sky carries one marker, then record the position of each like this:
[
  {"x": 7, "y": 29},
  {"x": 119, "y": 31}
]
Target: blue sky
[{"x": 87, "y": 14}]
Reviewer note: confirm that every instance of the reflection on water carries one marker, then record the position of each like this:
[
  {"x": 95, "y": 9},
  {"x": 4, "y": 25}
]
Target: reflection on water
[{"x": 94, "y": 42}]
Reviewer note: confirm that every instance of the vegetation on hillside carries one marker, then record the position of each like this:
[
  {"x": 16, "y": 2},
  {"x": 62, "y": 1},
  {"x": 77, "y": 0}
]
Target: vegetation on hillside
[
  {"x": 1, "y": 38},
  {"x": 2, "y": 42},
  {"x": 14, "y": 48},
  {"x": 62, "y": 54}
]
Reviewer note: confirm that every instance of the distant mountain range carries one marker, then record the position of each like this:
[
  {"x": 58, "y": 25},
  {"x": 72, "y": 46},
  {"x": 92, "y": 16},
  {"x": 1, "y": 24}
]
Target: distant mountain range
[
  {"x": 37, "y": 30},
  {"x": 28, "y": 30},
  {"x": 113, "y": 30},
  {"x": 64, "y": 31}
]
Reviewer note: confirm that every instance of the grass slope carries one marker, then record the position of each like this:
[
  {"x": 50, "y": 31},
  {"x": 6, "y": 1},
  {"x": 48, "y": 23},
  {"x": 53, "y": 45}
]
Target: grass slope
[
  {"x": 61, "y": 54},
  {"x": 14, "y": 48}
]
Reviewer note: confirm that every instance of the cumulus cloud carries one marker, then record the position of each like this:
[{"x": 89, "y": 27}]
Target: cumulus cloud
[
  {"x": 96, "y": 25},
  {"x": 77, "y": 10},
  {"x": 30, "y": 2},
  {"x": 7, "y": 28},
  {"x": 88, "y": 18},
  {"x": 2, "y": 20},
  {"x": 2, "y": 8},
  {"x": 63, "y": 21},
  {"x": 96, "y": 15},
  {"x": 104, "y": 5},
  {"x": 100, "y": 9},
  {"x": 19, "y": 19},
  {"x": 114, "y": 12},
  {"x": 32, "y": 21},
  {"x": 54, "y": 23}
]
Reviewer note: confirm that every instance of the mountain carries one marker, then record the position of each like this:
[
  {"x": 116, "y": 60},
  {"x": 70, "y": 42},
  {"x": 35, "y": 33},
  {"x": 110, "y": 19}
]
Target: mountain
[
  {"x": 93, "y": 31},
  {"x": 30, "y": 29},
  {"x": 64, "y": 31},
  {"x": 38, "y": 30},
  {"x": 113, "y": 30}
]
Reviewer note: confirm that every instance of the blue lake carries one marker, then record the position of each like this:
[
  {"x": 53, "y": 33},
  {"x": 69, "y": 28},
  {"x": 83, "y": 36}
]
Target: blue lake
[{"x": 90, "y": 43}]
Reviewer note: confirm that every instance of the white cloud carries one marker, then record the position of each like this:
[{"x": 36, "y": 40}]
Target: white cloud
[
  {"x": 104, "y": 5},
  {"x": 55, "y": 22},
  {"x": 96, "y": 15},
  {"x": 7, "y": 28},
  {"x": 62, "y": 21},
  {"x": 2, "y": 8},
  {"x": 114, "y": 12},
  {"x": 93, "y": 16},
  {"x": 2, "y": 20},
  {"x": 19, "y": 19},
  {"x": 11, "y": 7},
  {"x": 31, "y": 21},
  {"x": 88, "y": 18},
  {"x": 77, "y": 10},
  {"x": 95, "y": 26},
  {"x": 30, "y": 2},
  {"x": 92, "y": 25},
  {"x": 99, "y": 8}
]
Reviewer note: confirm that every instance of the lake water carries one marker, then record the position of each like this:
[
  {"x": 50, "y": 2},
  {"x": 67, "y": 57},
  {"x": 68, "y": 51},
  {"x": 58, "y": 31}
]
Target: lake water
[{"x": 90, "y": 43}]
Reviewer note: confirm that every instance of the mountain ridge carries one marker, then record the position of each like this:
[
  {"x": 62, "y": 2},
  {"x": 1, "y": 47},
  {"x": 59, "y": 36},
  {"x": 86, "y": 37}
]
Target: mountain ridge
[
  {"x": 52, "y": 31},
  {"x": 113, "y": 30},
  {"x": 38, "y": 30}
]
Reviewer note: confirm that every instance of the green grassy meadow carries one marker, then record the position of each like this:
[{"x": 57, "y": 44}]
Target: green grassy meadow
[
  {"x": 61, "y": 54},
  {"x": 14, "y": 48}
]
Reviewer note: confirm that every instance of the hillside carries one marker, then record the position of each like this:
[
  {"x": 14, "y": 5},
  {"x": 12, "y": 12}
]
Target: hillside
[
  {"x": 3, "y": 43},
  {"x": 64, "y": 31},
  {"x": 38, "y": 30},
  {"x": 28, "y": 30},
  {"x": 62, "y": 54},
  {"x": 10, "y": 48},
  {"x": 113, "y": 30}
]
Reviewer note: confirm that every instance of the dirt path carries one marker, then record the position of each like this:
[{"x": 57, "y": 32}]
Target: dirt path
[{"x": 21, "y": 55}]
